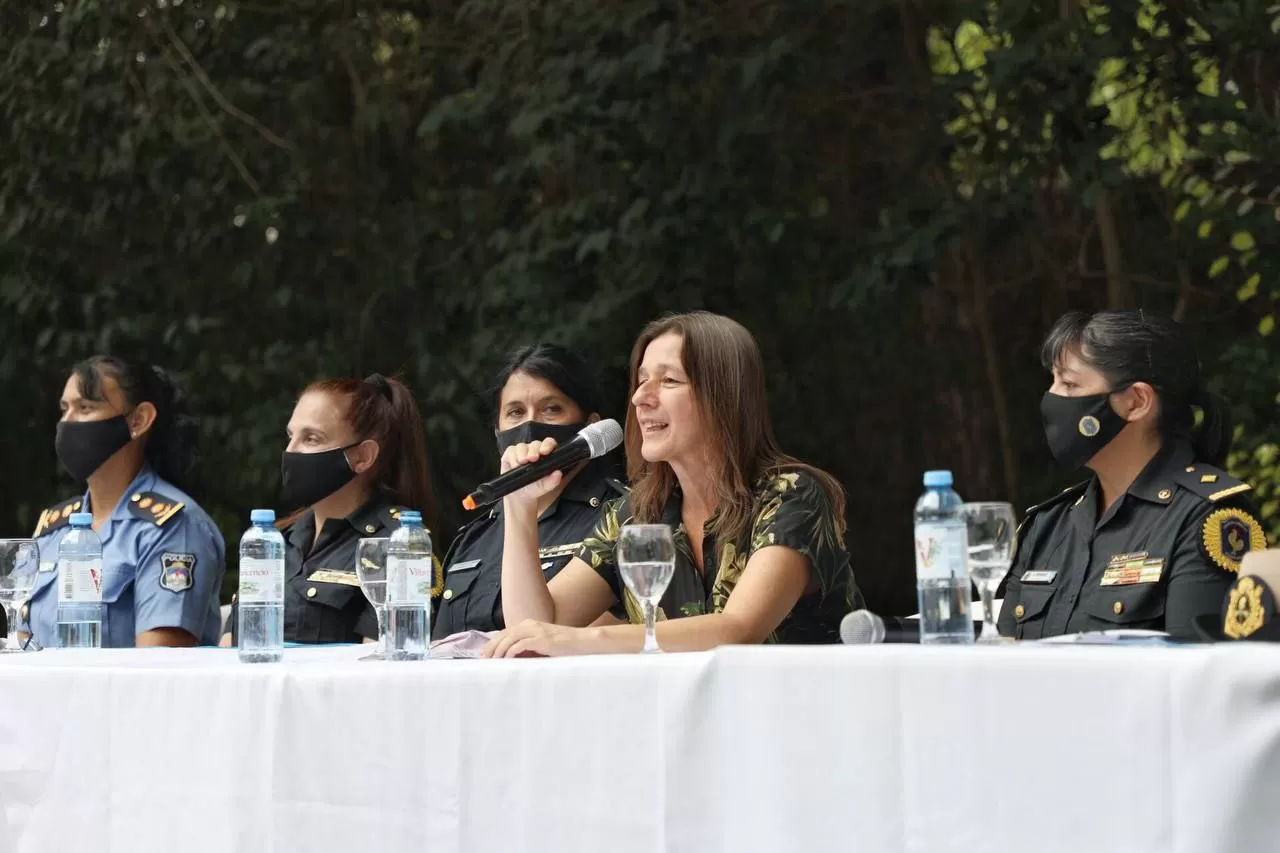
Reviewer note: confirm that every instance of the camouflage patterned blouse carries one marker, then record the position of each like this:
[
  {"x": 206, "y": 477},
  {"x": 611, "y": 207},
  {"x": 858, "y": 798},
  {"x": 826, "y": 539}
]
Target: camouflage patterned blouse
[{"x": 793, "y": 510}]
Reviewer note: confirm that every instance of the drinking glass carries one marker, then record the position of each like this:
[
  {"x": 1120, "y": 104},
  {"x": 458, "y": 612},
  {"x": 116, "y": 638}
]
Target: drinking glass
[
  {"x": 646, "y": 561},
  {"x": 991, "y": 539},
  {"x": 371, "y": 570},
  {"x": 19, "y": 562}
]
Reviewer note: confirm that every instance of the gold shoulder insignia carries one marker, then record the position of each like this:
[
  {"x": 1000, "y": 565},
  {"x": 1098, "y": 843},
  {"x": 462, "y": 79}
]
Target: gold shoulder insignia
[
  {"x": 1212, "y": 484},
  {"x": 1246, "y": 613},
  {"x": 58, "y": 515},
  {"x": 1228, "y": 534},
  {"x": 154, "y": 507}
]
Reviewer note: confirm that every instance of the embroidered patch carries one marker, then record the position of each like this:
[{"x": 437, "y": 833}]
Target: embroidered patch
[
  {"x": 1246, "y": 612},
  {"x": 1229, "y": 534},
  {"x": 177, "y": 571}
]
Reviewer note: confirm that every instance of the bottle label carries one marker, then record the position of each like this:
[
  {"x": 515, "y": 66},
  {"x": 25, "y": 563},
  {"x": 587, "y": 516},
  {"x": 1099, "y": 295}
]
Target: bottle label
[
  {"x": 941, "y": 548},
  {"x": 261, "y": 581},
  {"x": 81, "y": 581},
  {"x": 409, "y": 580}
]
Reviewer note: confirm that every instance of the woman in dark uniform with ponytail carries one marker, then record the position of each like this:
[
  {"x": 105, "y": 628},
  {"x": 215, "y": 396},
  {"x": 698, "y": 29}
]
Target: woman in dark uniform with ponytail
[
  {"x": 356, "y": 457},
  {"x": 1155, "y": 536}
]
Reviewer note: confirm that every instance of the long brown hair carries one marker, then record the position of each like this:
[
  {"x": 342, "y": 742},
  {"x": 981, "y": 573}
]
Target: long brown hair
[
  {"x": 384, "y": 410},
  {"x": 726, "y": 373}
]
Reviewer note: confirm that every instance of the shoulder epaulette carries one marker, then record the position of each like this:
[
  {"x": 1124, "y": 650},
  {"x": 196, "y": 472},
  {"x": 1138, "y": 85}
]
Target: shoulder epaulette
[
  {"x": 1212, "y": 484},
  {"x": 1070, "y": 492},
  {"x": 154, "y": 507},
  {"x": 56, "y": 516},
  {"x": 391, "y": 517}
]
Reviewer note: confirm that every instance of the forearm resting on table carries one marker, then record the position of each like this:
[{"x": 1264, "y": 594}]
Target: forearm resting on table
[
  {"x": 174, "y": 637},
  {"x": 524, "y": 588},
  {"x": 691, "y": 634}
]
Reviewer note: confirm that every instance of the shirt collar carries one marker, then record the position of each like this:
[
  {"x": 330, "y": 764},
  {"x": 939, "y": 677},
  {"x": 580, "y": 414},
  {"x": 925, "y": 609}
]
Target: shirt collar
[
  {"x": 144, "y": 481},
  {"x": 1156, "y": 482}
]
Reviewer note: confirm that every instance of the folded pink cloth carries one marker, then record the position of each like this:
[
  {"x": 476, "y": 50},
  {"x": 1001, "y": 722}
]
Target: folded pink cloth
[{"x": 464, "y": 644}]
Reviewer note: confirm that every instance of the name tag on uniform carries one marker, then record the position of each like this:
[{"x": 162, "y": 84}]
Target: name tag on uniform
[
  {"x": 559, "y": 550},
  {"x": 463, "y": 566},
  {"x": 1128, "y": 569},
  {"x": 330, "y": 576},
  {"x": 1040, "y": 576}
]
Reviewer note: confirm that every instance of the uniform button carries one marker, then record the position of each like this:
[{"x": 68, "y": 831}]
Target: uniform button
[
  {"x": 448, "y": 594},
  {"x": 1118, "y": 607},
  {"x": 23, "y": 612},
  {"x": 136, "y": 498},
  {"x": 369, "y": 528},
  {"x": 1019, "y": 611},
  {"x": 311, "y": 592},
  {"x": 595, "y": 502},
  {"x": 234, "y": 597},
  {"x": 1164, "y": 494},
  {"x": 1191, "y": 469}
]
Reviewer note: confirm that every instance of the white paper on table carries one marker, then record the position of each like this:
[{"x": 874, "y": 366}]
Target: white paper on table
[
  {"x": 1120, "y": 636},
  {"x": 464, "y": 644}
]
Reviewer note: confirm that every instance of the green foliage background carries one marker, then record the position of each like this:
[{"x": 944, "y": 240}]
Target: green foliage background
[{"x": 897, "y": 198}]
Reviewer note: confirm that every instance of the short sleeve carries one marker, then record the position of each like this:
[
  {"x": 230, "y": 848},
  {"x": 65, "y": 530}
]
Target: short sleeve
[
  {"x": 1206, "y": 559},
  {"x": 178, "y": 577},
  {"x": 600, "y": 546},
  {"x": 796, "y": 512}
]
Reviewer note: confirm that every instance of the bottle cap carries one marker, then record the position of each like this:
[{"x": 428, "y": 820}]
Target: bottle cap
[
  {"x": 937, "y": 479},
  {"x": 411, "y": 515},
  {"x": 262, "y": 516},
  {"x": 81, "y": 519}
]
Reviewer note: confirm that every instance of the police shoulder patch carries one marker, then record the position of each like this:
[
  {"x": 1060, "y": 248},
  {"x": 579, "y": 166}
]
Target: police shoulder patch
[
  {"x": 177, "y": 571},
  {"x": 154, "y": 507},
  {"x": 58, "y": 515},
  {"x": 1228, "y": 534}
]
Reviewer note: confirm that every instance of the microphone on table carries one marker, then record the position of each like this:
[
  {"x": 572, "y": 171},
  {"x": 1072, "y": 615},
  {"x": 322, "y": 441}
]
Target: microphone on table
[
  {"x": 862, "y": 627},
  {"x": 593, "y": 441}
]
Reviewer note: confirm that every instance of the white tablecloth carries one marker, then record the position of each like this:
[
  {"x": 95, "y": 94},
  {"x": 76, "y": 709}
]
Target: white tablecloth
[{"x": 1031, "y": 748}]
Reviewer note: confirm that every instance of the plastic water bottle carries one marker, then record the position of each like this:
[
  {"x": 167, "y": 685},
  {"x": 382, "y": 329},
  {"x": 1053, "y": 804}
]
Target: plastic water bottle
[
  {"x": 409, "y": 580},
  {"x": 261, "y": 598},
  {"x": 942, "y": 568},
  {"x": 80, "y": 585}
]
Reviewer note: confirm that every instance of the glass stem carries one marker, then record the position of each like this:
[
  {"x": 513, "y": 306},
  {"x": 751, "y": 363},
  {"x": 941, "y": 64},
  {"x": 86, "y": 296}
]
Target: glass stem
[
  {"x": 988, "y": 591},
  {"x": 11, "y": 625},
  {"x": 650, "y": 627},
  {"x": 382, "y": 628}
]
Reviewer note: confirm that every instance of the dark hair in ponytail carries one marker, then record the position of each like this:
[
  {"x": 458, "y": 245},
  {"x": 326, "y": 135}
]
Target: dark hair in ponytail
[
  {"x": 1133, "y": 346},
  {"x": 384, "y": 410},
  {"x": 170, "y": 444}
]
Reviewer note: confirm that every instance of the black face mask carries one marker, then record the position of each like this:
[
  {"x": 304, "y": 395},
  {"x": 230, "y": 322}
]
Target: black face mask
[
  {"x": 1076, "y": 428},
  {"x": 306, "y": 478},
  {"x": 83, "y": 446},
  {"x": 531, "y": 431}
]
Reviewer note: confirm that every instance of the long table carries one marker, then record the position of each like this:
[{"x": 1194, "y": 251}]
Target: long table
[{"x": 895, "y": 748}]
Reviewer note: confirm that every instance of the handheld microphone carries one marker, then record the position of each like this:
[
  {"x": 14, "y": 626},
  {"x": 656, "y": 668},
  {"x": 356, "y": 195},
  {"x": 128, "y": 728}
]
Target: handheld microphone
[
  {"x": 862, "y": 627},
  {"x": 593, "y": 441}
]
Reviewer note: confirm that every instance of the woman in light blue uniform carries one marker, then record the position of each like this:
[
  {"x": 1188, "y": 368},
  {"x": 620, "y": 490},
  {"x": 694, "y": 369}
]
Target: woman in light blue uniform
[{"x": 124, "y": 431}]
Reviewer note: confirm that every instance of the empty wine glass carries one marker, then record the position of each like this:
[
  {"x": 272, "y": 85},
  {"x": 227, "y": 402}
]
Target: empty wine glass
[
  {"x": 19, "y": 562},
  {"x": 991, "y": 538},
  {"x": 646, "y": 561},
  {"x": 371, "y": 570}
]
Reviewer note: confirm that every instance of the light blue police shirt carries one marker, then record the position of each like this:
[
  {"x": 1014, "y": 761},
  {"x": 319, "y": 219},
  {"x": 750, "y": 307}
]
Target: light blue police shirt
[{"x": 162, "y": 565}]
